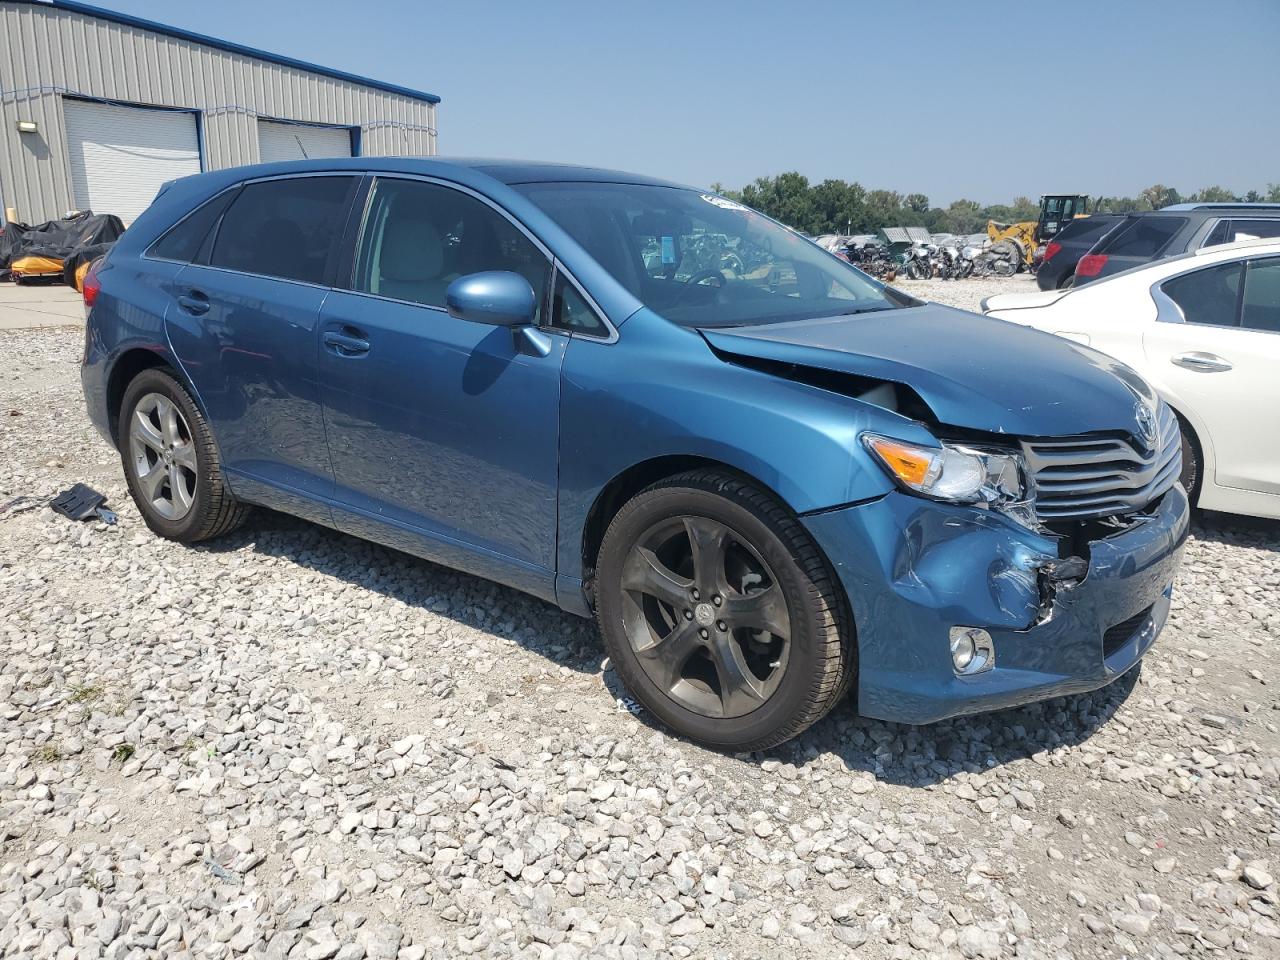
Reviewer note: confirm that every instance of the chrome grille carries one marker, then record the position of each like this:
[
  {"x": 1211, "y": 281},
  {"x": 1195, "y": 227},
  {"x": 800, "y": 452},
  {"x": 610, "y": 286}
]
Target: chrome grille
[{"x": 1091, "y": 476}]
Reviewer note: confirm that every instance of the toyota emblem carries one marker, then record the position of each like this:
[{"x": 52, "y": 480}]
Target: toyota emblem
[{"x": 1146, "y": 418}]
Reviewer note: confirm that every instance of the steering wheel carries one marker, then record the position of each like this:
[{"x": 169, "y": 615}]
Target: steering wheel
[{"x": 697, "y": 279}]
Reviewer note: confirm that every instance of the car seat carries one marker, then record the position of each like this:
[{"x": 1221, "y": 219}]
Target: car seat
[{"x": 411, "y": 265}]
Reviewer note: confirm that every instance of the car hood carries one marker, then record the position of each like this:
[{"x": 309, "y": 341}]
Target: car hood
[{"x": 973, "y": 372}]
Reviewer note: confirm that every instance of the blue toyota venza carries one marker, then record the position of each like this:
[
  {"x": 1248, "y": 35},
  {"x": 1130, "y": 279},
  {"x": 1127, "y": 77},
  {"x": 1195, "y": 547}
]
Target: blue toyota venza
[{"x": 769, "y": 477}]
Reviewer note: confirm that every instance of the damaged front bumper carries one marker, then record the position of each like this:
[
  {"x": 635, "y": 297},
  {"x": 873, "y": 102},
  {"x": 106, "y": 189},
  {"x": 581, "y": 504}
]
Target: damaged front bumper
[{"x": 914, "y": 568}]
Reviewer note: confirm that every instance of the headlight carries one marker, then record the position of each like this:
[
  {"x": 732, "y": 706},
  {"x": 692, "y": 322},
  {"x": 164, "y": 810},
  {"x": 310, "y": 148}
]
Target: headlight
[{"x": 958, "y": 474}]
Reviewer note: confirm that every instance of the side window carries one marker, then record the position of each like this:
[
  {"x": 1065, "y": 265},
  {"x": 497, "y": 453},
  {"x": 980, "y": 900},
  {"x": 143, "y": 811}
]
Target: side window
[
  {"x": 284, "y": 228},
  {"x": 1253, "y": 229},
  {"x": 1221, "y": 233},
  {"x": 1144, "y": 237},
  {"x": 184, "y": 240},
  {"x": 570, "y": 311},
  {"x": 1262, "y": 296},
  {"x": 419, "y": 237},
  {"x": 1207, "y": 296}
]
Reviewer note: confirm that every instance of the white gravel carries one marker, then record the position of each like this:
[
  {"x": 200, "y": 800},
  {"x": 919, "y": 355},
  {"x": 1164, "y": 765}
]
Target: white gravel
[
  {"x": 967, "y": 294},
  {"x": 294, "y": 744}
]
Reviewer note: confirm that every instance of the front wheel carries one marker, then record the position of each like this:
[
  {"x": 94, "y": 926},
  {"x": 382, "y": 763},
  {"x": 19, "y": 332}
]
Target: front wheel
[{"x": 720, "y": 614}]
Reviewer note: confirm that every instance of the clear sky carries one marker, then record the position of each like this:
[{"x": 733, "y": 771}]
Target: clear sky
[{"x": 982, "y": 99}]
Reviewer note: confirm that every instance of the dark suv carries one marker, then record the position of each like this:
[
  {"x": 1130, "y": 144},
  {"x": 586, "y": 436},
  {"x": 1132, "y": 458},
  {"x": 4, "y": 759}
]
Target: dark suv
[
  {"x": 1068, "y": 245},
  {"x": 1181, "y": 228}
]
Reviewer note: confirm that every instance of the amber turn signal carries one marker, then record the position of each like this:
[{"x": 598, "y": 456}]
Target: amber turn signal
[{"x": 906, "y": 461}]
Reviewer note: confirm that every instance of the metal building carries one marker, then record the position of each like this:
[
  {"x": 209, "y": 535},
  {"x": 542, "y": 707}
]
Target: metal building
[{"x": 98, "y": 109}]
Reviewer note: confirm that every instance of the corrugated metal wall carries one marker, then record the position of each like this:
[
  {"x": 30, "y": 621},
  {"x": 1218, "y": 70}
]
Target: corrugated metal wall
[{"x": 47, "y": 53}]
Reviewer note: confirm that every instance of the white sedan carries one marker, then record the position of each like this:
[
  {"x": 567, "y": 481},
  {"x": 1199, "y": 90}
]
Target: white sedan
[{"x": 1204, "y": 331}]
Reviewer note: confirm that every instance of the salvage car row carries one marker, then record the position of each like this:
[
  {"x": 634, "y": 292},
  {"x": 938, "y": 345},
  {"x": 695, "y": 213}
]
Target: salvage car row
[
  {"x": 1090, "y": 248},
  {"x": 769, "y": 485}
]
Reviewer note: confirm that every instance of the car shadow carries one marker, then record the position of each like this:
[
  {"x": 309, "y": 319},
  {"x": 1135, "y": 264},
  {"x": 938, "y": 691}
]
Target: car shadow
[
  {"x": 564, "y": 639},
  {"x": 921, "y": 756},
  {"x": 896, "y": 753}
]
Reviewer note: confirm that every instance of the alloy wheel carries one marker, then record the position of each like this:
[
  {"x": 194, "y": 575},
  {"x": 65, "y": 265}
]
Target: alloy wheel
[
  {"x": 163, "y": 456},
  {"x": 705, "y": 616}
]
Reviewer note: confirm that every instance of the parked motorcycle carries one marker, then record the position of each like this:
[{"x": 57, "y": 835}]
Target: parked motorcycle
[
  {"x": 918, "y": 263},
  {"x": 874, "y": 260}
]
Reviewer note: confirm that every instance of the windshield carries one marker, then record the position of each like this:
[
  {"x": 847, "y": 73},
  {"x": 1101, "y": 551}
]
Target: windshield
[{"x": 704, "y": 261}]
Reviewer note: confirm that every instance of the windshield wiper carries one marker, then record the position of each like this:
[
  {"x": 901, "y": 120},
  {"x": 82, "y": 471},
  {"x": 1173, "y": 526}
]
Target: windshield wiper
[{"x": 854, "y": 312}]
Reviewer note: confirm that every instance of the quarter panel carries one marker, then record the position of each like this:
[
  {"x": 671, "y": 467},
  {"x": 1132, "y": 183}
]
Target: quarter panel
[{"x": 127, "y": 315}]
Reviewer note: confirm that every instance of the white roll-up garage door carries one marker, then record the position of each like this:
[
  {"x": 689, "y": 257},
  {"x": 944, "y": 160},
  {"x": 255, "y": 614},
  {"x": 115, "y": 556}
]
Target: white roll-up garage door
[
  {"x": 299, "y": 141},
  {"x": 121, "y": 155}
]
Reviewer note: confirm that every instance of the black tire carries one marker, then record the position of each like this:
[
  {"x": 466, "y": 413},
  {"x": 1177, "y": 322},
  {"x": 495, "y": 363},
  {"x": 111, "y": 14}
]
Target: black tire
[
  {"x": 1192, "y": 467},
  {"x": 213, "y": 510},
  {"x": 820, "y": 659},
  {"x": 1067, "y": 282}
]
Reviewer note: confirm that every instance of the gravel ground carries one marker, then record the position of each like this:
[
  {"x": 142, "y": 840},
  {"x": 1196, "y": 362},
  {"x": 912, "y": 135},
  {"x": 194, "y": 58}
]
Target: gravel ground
[
  {"x": 292, "y": 743},
  {"x": 967, "y": 294}
]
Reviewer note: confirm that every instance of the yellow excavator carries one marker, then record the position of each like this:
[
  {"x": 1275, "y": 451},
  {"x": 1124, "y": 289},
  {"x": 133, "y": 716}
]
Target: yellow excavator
[{"x": 1017, "y": 242}]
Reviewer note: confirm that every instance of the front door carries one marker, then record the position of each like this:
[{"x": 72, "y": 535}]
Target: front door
[
  {"x": 1222, "y": 360},
  {"x": 243, "y": 325},
  {"x": 443, "y": 433}
]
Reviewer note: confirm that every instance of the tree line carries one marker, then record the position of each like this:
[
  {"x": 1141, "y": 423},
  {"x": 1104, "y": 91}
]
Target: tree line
[{"x": 837, "y": 206}]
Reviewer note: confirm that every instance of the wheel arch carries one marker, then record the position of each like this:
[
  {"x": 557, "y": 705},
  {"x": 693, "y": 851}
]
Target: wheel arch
[
  {"x": 625, "y": 485},
  {"x": 1193, "y": 433},
  {"x": 125, "y": 369}
]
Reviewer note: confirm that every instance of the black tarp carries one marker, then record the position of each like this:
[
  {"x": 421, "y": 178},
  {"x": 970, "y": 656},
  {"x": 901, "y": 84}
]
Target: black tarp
[
  {"x": 58, "y": 239},
  {"x": 11, "y": 239},
  {"x": 86, "y": 254}
]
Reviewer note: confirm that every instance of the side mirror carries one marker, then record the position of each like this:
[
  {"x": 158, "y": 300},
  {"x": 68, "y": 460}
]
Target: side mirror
[{"x": 496, "y": 297}]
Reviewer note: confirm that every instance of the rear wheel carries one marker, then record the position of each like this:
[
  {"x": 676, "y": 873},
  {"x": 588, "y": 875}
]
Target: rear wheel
[
  {"x": 171, "y": 461},
  {"x": 719, "y": 613}
]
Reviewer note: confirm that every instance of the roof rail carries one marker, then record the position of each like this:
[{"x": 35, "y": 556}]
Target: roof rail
[{"x": 1220, "y": 206}]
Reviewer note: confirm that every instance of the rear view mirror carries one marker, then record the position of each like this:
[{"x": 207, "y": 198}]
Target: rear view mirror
[{"x": 496, "y": 297}]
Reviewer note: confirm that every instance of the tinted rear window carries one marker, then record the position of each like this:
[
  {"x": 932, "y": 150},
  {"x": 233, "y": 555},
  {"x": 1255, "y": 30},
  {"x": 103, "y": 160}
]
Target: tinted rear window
[
  {"x": 1253, "y": 229},
  {"x": 1085, "y": 230},
  {"x": 1208, "y": 296},
  {"x": 1231, "y": 231},
  {"x": 184, "y": 240},
  {"x": 284, "y": 228},
  {"x": 1261, "y": 305},
  {"x": 1143, "y": 237}
]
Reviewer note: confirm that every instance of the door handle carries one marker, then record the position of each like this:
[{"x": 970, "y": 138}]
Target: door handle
[
  {"x": 194, "y": 302},
  {"x": 345, "y": 345},
  {"x": 1201, "y": 362}
]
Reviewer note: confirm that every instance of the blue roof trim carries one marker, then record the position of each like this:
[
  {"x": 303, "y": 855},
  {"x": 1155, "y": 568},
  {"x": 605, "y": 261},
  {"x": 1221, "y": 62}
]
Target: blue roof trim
[{"x": 72, "y": 7}]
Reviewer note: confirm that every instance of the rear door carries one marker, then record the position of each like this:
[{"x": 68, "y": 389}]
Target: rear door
[
  {"x": 1216, "y": 345},
  {"x": 243, "y": 326},
  {"x": 444, "y": 433}
]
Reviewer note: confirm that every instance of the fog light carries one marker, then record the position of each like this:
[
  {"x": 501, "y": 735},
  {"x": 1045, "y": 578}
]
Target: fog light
[{"x": 972, "y": 651}]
